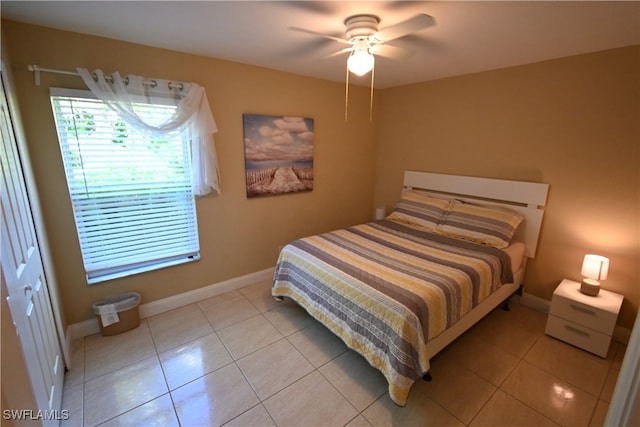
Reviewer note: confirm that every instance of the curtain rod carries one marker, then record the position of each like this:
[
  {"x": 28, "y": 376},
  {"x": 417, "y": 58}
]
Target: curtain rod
[{"x": 37, "y": 70}]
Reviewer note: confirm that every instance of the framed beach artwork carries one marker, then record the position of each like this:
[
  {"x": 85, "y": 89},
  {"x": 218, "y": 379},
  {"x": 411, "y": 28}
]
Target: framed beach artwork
[{"x": 278, "y": 154}]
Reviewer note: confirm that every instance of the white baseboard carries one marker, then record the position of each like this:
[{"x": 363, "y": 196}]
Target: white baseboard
[
  {"x": 82, "y": 329},
  {"x": 534, "y": 302},
  {"x": 186, "y": 298},
  {"x": 621, "y": 334},
  {"x": 91, "y": 326}
]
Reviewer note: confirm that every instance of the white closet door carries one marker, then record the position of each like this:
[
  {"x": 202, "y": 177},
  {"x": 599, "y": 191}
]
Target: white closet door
[{"x": 23, "y": 274}]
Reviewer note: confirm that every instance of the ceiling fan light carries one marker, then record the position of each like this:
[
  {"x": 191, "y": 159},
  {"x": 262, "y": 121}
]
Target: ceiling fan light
[{"x": 360, "y": 62}]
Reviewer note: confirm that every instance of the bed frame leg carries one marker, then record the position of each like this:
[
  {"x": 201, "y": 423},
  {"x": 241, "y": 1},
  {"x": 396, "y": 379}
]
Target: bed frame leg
[
  {"x": 427, "y": 377},
  {"x": 505, "y": 306}
]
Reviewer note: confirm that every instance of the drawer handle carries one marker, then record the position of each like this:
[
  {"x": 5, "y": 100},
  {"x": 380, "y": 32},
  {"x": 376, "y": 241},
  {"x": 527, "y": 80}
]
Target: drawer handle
[
  {"x": 577, "y": 331},
  {"x": 582, "y": 309}
]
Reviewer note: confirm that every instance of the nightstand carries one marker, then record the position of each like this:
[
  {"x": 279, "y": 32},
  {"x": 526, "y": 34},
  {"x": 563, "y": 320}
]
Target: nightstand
[{"x": 582, "y": 320}]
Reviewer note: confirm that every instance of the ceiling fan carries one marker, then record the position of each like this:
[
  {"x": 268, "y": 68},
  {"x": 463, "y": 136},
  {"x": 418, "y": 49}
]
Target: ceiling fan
[{"x": 364, "y": 40}]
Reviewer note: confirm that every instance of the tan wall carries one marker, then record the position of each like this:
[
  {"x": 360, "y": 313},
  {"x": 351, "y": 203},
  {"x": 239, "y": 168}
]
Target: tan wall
[
  {"x": 238, "y": 236},
  {"x": 572, "y": 123}
]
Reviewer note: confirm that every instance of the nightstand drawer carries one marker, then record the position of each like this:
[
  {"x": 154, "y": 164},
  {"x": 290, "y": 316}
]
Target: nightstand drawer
[
  {"x": 578, "y": 335},
  {"x": 591, "y": 317}
]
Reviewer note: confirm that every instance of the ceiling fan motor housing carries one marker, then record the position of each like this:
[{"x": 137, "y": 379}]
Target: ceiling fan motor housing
[{"x": 359, "y": 26}]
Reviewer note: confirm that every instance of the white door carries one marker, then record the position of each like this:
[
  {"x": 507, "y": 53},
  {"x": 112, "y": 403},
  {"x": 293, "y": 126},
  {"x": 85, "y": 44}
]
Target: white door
[{"x": 23, "y": 273}]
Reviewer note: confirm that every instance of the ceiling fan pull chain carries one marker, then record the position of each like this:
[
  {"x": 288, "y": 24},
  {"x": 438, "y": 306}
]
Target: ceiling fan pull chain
[
  {"x": 371, "y": 100},
  {"x": 346, "y": 97}
]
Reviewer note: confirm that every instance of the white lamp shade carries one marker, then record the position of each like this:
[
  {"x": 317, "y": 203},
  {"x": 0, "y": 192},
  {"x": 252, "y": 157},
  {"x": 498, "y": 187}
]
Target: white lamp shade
[
  {"x": 595, "y": 267},
  {"x": 360, "y": 62}
]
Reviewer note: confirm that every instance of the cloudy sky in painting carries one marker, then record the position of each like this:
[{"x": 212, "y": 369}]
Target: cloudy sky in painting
[{"x": 277, "y": 138}]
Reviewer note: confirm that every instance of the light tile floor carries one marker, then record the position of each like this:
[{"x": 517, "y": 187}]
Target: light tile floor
[{"x": 243, "y": 359}]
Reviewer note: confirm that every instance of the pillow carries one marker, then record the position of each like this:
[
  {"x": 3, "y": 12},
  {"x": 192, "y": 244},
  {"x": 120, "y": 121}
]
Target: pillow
[
  {"x": 420, "y": 209},
  {"x": 481, "y": 224}
]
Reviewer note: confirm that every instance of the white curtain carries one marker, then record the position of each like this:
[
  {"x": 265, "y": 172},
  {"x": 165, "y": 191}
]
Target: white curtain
[{"x": 192, "y": 110}]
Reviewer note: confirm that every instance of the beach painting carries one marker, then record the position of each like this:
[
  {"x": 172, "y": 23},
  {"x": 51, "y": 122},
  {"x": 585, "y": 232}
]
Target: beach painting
[{"x": 278, "y": 154}]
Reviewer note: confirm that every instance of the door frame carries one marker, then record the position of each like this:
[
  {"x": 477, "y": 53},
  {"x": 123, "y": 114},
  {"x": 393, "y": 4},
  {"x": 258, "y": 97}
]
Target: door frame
[{"x": 624, "y": 409}]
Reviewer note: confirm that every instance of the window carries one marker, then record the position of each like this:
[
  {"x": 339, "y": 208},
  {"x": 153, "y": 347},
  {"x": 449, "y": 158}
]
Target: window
[{"x": 131, "y": 192}]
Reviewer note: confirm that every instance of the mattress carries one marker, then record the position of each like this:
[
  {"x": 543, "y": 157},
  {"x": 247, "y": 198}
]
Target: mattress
[
  {"x": 387, "y": 288},
  {"x": 516, "y": 254}
]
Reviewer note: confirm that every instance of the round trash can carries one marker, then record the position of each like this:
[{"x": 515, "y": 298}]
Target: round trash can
[{"x": 118, "y": 313}]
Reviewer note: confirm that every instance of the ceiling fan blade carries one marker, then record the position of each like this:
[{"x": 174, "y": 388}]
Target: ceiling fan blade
[
  {"x": 309, "y": 48},
  {"x": 340, "y": 52},
  {"x": 310, "y": 6},
  {"x": 391, "y": 51},
  {"x": 326, "y": 36},
  {"x": 403, "y": 28}
]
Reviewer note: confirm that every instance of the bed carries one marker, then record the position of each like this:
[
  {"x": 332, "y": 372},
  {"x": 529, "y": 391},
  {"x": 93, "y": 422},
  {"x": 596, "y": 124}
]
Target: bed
[{"x": 400, "y": 289}]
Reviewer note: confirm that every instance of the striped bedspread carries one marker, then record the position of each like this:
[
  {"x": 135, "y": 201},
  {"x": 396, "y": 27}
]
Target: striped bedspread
[{"x": 386, "y": 288}]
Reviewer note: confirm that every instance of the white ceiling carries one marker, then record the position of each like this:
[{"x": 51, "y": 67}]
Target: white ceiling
[{"x": 467, "y": 37}]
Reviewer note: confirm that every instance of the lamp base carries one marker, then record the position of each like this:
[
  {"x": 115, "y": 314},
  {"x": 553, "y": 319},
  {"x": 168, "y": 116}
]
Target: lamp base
[{"x": 590, "y": 287}]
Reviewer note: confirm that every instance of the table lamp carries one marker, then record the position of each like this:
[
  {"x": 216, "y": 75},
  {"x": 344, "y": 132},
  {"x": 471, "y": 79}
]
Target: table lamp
[{"x": 594, "y": 269}]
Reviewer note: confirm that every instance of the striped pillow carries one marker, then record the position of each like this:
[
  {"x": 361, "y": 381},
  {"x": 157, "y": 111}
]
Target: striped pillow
[
  {"x": 481, "y": 224},
  {"x": 420, "y": 209}
]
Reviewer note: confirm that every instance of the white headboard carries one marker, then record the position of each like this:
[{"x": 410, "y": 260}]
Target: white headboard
[{"x": 528, "y": 198}]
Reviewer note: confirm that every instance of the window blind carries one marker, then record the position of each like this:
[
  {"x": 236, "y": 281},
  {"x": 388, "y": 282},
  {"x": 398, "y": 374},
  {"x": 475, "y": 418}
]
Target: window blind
[{"x": 131, "y": 192}]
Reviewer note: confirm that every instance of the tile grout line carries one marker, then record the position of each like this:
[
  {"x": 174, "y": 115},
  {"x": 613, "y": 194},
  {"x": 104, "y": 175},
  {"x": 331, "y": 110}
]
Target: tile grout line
[
  {"x": 520, "y": 361},
  {"x": 516, "y": 397},
  {"x": 164, "y": 374},
  {"x": 84, "y": 377},
  {"x": 499, "y": 387}
]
